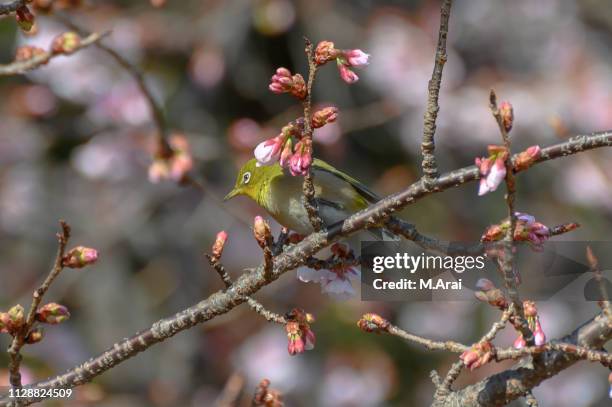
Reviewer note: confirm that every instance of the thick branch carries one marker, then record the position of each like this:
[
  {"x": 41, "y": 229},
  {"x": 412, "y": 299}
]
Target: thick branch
[
  {"x": 500, "y": 389},
  {"x": 294, "y": 256}
]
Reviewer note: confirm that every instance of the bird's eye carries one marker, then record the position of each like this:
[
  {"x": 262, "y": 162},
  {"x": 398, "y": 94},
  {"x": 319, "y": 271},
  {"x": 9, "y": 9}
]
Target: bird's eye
[{"x": 246, "y": 177}]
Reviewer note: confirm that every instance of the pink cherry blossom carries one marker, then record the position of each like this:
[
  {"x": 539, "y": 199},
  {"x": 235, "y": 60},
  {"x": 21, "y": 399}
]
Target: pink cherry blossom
[{"x": 356, "y": 57}]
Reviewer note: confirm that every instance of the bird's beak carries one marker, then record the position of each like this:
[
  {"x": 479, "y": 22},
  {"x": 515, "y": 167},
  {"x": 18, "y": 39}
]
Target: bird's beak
[{"x": 231, "y": 194}]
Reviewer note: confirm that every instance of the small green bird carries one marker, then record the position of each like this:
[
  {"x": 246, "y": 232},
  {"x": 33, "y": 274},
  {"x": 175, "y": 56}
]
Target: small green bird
[{"x": 338, "y": 195}]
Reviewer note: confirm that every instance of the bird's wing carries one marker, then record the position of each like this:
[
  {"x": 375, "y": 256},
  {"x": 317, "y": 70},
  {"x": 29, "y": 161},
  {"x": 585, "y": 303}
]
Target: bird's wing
[{"x": 361, "y": 189}]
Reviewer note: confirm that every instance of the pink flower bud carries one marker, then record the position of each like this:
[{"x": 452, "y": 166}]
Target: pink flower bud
[
  {"x": 80, "y": 257},
  {"x": 525, "y": 159},
  {"x": 301, "y": 160},
  {"x": 296, "y": 343},
  {"x": 492, "y": 169},
  {"x": 478, "y": 355},
  {"x": 610, "y": 381},
  {"x": 267, "y": 151},
  {"x": 52, "y": 313},
  {"x": 356, "y": 57},
  {"x": 283, "y": 82},
  {"x": 262, "y": 232},
  {"x": 539, "y": 335},
  {"x": 507, "y": 115},
  {"x": 66, "y": 43},
  {"x": 347, "y": 75},
  {"x": 217, "y": 248},
  {"x": 325, "y": 52},
  {"x": 372, "y": 323},
  {"x": 287, "y": 153},
  {"x": 519, "y": 343},
  {"x": 24, "y": 18},
  {"x": 324, "y": 116}
]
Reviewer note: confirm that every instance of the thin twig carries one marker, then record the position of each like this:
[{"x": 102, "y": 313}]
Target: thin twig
[
  {"x": 254, "y": 304},
  {"x": 164, "y": 149},
  {"x": 310, "y": 203},
  {"x": 20, "y": 337},
  {"x": 506, "y": 261},
  {"x": 429, "y": 165},
  {"x": 21, "y": 67}
]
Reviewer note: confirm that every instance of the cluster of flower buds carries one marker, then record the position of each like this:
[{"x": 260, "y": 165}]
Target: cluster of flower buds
[
  {"x": 345, "y": 59},
  {"x": 66, "y": 43},
  {"x": 80, "y": 257},
  {"x": 289, "y": 148},
  {"x": 262, "y": 232},
  {"x": 284, "y": 82},
  {"x": 492, "y": 168},
  {"x": 52, "y": 313},
  {"x": 526, "y": 230},
  {"x": 531, "y": 313},
  {"x": 267, "y": 397},
  {"x": 478, "y": 355},
  {"x": 300, "y": 336},
  {"x": 24, "y": 18},
  {"x": 372, "y": 323},
  {"x": 490, "y": 294},
  {"x": 174, "y": 166},
  {"x": 217, "y": 248},
  {"x": 12, "y": 321}
]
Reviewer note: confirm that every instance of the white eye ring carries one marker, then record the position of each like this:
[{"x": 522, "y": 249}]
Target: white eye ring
[{"x": 246, "y": 177}]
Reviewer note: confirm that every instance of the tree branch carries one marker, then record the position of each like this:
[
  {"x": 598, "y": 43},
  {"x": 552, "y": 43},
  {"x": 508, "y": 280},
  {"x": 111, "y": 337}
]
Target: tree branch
[
  {"x": 294, "y": 256},
  {"x": 21, "y": 67},
  {"x": 429, "y": 166}
]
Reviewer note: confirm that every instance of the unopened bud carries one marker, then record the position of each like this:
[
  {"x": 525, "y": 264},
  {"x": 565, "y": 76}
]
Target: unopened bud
[
  {"x": 80, "y": 257},
  {"x": 530, "y": 309},
  {"x": 34, "y": 336},
  {"x": 325, "y": 52},
  {"x": 66, "y": 43},
  {"x": 28, "y": 52},
  {"x": 25, "y": 18},
  {"x": 52, "y": 313},
  {"x": 217, "y": 249},
  {"x": 16, "y": 318},
  {"x": 525, "y": 159},
  {"x": 324, "y": 116},
  {"x": 372, "y": 323},
  {"x": 507, "y": 115},
  {"x": 261, "y": 231}
]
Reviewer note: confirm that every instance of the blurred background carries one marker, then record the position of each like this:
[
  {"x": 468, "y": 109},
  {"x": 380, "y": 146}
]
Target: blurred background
[{"x": 76, "y": 140}]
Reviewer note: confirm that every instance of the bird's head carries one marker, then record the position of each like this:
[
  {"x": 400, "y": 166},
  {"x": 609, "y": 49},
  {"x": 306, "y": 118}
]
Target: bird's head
[{"x": 251, "y": 179}]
